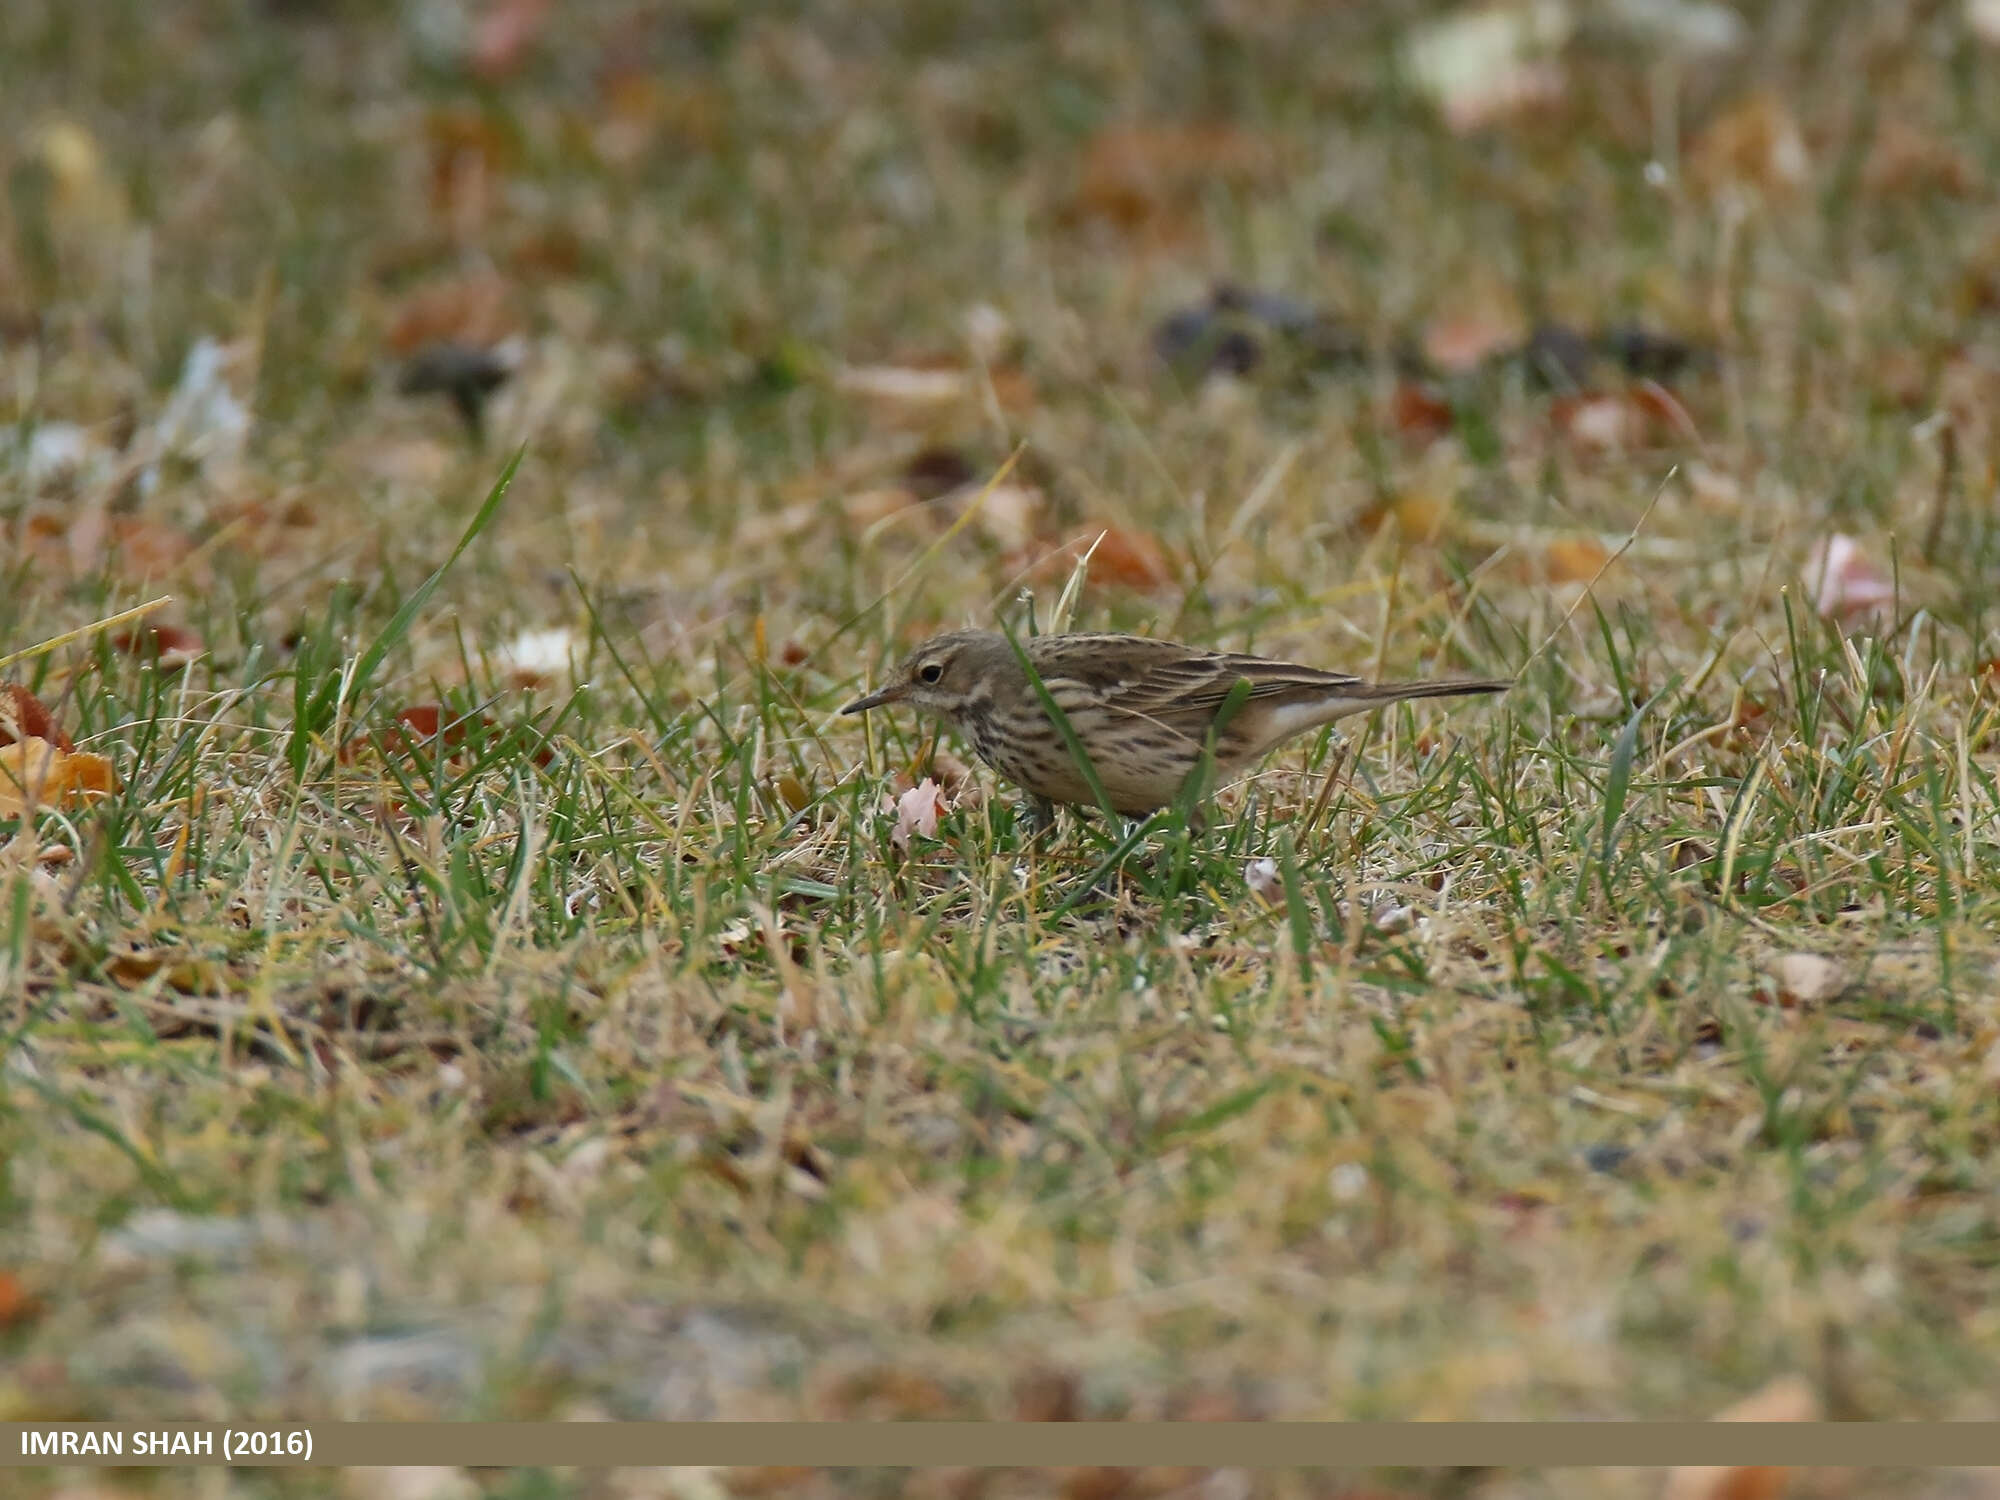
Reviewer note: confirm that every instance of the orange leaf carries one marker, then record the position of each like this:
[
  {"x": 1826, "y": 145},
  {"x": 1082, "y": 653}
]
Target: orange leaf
[
  {"x": 474, "y": 309},
  {"x": 1906, "y": 160},
  {"x": 1133, "y": 176},
  {"x": 1757, "y": 143},
  {"x": 1130, "y": 559},
  {"x": 1419, "y": 516},
  {"x": 1419, "y": 412},
  {"x": 1786, "y": 1399},
  {"x": 1664, "y": 407},
  {"x": 35, "y": 771},
  {"x": 23, "y": 717},
  {"x": 1574, "y": 559},
  {"x": 17, "y": 1304},
  {"x": 468, "y": 155}
]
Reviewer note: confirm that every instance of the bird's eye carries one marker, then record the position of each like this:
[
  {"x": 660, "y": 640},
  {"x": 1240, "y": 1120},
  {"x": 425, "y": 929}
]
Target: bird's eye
[{"x": 930, "y": 671}]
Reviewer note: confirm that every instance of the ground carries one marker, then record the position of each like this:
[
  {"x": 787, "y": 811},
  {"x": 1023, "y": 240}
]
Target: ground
[{"x": 512, "y": 993}]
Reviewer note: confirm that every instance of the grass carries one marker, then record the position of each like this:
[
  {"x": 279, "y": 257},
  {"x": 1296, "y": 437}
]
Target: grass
[{"x": 599, "y": 1052}]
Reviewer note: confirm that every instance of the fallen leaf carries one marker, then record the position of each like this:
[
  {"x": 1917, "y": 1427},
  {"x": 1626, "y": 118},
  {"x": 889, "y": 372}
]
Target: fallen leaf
[
  {"x": 917, "y": 812},
  {"x": 17, "y": 1304},
  {"x": 643, "y": 108},
  {"x": 1263, "y": 880},
  {"x": 1806, "y": 979},
  {"x": 38, "y": 771},
  {"x": 1010, "y": 513},
  {"x": 54, "y": 455},
  {"x": 1419, "y": 516},
  {"x": 1713, "y": 489},
  {"x": 905, "y": 385},
  {"x": 1983, "y": 17},
  {"x": 205, "y": 421},
  {"x": 433, "y": 729},
  {"x": 1906, "y": 159},
  {"x": 1689, "y": 27},
  {"x": 469, "y": 156},
  {"x": 535, "y": 658},
  {"x": 1012, "y": 388},
  {"x": 1844, "y": 583},
  {"x": 1758, "y": 143},
  {"x": 22, "y": 717},
  {"x": 866, "y": 507},
  {"x": 475, "y": 310},
  {"x": 503, "y": 34},
  {"x": 1154, "y": 176},
  {"x": 1461, "y": 343},
  {"x": 170, "y": 648},
  {"x": 989, "y": 335},
  {"x": 1599, "y": 422},
  {"x": 1130, "y": 559},
  {"x": 1482, "y": 65},
  {"x": 1420, "y": 412},
  {"x": 1574, "y": 559},
  {"x": 1664, "y": 408},
  {"x": 1786, "y": 1399}
]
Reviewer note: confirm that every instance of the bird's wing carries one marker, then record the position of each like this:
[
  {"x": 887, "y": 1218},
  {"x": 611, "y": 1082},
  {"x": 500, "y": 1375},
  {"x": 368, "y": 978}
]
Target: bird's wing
[{"x": 1162, "y": 680}]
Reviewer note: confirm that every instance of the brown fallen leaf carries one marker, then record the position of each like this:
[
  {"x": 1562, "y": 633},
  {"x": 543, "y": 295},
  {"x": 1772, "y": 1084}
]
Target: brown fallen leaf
[
  {"x": 1418, "y": 515},
  {"x": 1906, "y": 159},
  {"x": 1757, "y": 144},
  {"x": 37, "y": 771},
  {"x": 1154, "y": 176},
  {"x": 17, "y": 1304},
  {"x": 1420, "y": 412},
  {"x": 1574, "y": 559},
  {"x": 1130, "y": 559},
  {"x": 23, "y": 717},
  {"x": 475, "y": 310},
  {"x": 469, "y": 156},
  {"x": 170, "y": 648},
  {"x": 1786, "y": 1399}
]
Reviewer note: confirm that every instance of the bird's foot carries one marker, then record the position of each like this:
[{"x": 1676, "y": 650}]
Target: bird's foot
[{"x": 1037, "y": 818}]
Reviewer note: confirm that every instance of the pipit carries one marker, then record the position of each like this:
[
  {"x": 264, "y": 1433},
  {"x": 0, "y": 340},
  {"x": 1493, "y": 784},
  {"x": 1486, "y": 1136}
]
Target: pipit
[{"x": 1142, "y": 709}]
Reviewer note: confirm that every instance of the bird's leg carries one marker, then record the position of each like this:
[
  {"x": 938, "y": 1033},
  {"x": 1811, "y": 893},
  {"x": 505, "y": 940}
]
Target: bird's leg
[{"x": 1038, "y": 817}]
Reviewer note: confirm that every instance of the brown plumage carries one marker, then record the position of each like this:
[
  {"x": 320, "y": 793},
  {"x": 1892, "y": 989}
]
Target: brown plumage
[{"x": 1141, "y": 708}]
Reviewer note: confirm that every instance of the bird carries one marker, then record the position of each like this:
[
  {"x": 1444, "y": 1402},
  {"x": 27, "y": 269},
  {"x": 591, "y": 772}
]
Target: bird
[{"x": 1142, "y": 709}]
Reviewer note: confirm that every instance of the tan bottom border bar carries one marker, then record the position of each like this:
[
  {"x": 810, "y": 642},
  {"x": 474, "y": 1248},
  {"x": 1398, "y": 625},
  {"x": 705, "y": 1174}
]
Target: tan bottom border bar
[{"x": 1007, "y": 1444}]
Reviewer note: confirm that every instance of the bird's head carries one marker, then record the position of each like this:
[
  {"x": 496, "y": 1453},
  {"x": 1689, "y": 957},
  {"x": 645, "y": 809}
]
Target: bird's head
[{"x": 939, "y": 675}]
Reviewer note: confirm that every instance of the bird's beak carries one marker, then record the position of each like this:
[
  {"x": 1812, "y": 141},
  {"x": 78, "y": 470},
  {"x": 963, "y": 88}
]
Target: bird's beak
[{"x": 876, "y": 699}]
